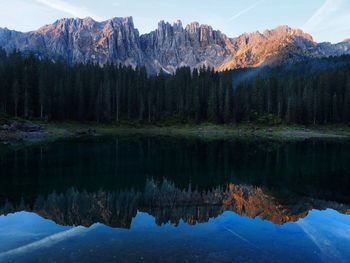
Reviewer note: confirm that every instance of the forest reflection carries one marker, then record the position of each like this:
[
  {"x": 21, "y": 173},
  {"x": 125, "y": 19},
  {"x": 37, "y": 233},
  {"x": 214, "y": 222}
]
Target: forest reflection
[
  {"x": 169, "y": 204},
  {"x": 108, "y": 180}
]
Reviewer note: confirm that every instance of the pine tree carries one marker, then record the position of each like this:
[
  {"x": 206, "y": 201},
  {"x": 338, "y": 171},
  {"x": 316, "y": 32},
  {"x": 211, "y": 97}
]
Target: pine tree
[{"x": 16, "y": 96}]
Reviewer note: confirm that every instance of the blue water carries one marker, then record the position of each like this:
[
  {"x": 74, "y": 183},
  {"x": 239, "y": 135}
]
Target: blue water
[
  {"x": 323, "y": 236},
  {"x": 182, "y": 201}
]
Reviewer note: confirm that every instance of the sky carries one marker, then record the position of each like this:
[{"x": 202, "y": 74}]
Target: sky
[{"x": 325, "y": 20}]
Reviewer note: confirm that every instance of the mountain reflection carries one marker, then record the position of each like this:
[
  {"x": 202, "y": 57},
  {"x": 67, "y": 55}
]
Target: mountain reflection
[
  {"x": 110, "y": 179},
  {"x": 170, "y": 204}
]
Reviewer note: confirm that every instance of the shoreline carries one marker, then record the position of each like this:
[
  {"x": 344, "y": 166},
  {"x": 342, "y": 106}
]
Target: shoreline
[{"x": 70, "y": 130}]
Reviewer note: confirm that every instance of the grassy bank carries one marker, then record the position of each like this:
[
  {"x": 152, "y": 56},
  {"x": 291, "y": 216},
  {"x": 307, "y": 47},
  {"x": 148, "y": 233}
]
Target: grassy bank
[
  {"x": 205, "y": 130},
  {"x": 54, "y": 131}
]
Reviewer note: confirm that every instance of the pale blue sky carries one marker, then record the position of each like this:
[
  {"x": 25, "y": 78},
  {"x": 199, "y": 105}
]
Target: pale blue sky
[{"x": 326, "y": 20}]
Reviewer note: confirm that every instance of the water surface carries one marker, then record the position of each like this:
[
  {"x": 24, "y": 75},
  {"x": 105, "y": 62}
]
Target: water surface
[{"x": 147, "y": 199}]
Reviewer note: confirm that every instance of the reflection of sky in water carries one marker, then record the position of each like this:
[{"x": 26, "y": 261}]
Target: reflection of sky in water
[
  {"x": 321, "y": 236},
  {"x": 109, "y": 179}
]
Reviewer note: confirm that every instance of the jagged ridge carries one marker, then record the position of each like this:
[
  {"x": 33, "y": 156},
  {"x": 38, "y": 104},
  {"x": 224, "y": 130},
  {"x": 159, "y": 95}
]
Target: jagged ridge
[{"x": 168, "y": 47}]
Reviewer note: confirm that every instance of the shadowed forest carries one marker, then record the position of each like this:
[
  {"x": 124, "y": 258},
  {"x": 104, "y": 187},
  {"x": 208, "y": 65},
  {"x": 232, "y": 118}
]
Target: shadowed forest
[{"x": 39, "y": 88}]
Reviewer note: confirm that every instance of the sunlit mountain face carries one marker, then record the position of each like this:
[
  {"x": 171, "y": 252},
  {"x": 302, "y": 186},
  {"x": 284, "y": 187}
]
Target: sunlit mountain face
[
  {"x": 120, "y": 192},
  {"x": 168, "y": 47}
]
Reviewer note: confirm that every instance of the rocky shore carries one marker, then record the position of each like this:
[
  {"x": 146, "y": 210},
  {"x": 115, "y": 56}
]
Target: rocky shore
[{"x": 13, "y": 132}]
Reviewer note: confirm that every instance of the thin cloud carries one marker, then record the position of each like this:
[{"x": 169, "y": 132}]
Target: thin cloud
[
  {"x": 332, "y": 18},
  {"x": 246, "y": 10},
  {"x": 321, "y": 17},
  {"x": 68, "y": 8}
]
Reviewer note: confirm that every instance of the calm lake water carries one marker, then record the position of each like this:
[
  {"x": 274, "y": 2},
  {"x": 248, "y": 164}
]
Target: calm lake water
[{"x": 146, "y": 199}]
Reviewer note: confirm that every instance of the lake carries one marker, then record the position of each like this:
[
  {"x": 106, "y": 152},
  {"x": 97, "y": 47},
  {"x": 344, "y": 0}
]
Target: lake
[{"x": 149, "y": 199}]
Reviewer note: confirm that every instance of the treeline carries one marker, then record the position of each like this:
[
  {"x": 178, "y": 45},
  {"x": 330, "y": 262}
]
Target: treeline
[
  {"x": 307, "y": 93},
  {"x": 40, "y": 88},
  {"x": 33, "y": 88}
]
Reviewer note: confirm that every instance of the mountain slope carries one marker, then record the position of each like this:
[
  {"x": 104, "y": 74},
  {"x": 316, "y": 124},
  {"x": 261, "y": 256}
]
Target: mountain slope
[{"x": 168, "y": 47}]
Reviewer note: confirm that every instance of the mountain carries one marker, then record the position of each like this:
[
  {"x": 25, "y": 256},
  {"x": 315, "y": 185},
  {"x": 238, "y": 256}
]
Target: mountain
[
  {"x": 80, "y": 41},
  {"x": 270, "y": 47},
  {"x": 168, "y": 47},
  {"x": 172, "y": 46}
]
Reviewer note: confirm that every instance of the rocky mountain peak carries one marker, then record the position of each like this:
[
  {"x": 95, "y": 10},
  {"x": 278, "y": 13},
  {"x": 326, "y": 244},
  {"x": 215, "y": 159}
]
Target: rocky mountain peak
[
  {"x": 164, "y": 28},
  {"x": 85, "y": 40},
  {"x": 192, "y": 28},
  {"x": 170, "y": 46},
  {"x": 178, "y": 23},
  {"x": 89, "y": 20},
  {"x": 256, "y": 49},
  {"x": 129, "y": 21},
  {"x": 286, "y": 31}
]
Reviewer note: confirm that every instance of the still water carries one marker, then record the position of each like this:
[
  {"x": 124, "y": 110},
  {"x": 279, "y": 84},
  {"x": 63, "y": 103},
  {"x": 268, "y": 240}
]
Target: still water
[{"x": 147, "y": 199}]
